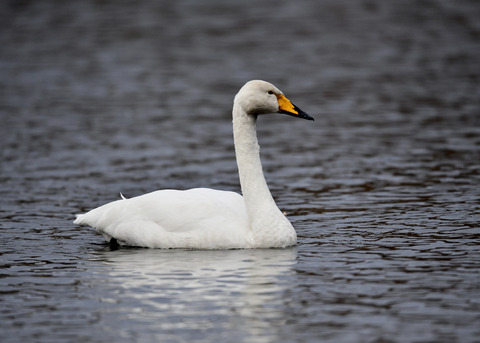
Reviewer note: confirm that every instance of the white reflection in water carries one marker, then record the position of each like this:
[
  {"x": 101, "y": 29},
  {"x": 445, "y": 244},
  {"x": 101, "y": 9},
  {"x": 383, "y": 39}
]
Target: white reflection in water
[{"x": 238, "y": 292}]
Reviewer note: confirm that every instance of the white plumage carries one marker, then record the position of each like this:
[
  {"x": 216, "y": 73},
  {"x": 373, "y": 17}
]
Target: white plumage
[{"x": 204, "y": 218}]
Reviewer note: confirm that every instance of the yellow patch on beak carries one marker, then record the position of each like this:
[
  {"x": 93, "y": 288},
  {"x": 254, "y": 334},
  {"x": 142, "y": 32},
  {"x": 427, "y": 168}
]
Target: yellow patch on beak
[{"x": 285, "y": 105}]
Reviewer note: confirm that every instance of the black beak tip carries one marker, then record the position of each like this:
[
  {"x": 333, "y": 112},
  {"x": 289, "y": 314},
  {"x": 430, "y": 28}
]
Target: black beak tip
[
  {"x": 303, "y": 115},
  {"x": 306, "y": 116},
  {"x": 299, "y": 114}
]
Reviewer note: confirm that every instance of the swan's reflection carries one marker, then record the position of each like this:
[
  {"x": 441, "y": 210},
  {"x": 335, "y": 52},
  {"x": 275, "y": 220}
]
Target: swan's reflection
[{"x": 234, "y": 291}]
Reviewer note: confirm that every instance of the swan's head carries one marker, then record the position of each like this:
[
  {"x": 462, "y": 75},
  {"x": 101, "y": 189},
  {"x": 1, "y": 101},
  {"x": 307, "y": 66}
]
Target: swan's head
[{"x": 261, "y": 97}]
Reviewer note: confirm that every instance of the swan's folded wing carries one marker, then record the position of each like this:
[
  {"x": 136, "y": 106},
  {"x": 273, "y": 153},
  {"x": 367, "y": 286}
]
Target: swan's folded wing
[{"x": 171, "y": 218}]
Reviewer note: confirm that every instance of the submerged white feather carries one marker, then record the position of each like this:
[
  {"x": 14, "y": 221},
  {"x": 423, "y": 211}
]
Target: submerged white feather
[{"x": 204, "y": 218}]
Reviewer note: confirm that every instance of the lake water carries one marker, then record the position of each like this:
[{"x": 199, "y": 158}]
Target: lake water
[{"x": 103, "y": 97}]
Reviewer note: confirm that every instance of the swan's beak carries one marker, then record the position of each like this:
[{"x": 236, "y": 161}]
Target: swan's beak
[{"x": 286, "y": 107}]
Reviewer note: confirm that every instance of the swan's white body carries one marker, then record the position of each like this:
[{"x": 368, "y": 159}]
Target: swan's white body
[{"x": 204, "y": 218}]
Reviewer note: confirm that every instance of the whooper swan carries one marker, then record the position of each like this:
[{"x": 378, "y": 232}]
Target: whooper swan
[{"x": 203, "y": 218}]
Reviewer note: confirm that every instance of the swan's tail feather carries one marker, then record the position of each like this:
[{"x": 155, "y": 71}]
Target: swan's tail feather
[
  {"x": 95, "y": 217},
  {"x": 101, "y": 217}
]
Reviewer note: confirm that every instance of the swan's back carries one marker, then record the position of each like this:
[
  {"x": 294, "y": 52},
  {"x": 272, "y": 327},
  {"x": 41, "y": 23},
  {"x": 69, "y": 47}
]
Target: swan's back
[{"x": 195, "y": 218}]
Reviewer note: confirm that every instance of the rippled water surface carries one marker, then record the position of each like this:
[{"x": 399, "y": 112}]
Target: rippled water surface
[{"x": 102, "y": 97}]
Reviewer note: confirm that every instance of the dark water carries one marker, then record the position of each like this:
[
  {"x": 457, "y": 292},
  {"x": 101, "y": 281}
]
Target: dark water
[{"x": 102, "y": 97}]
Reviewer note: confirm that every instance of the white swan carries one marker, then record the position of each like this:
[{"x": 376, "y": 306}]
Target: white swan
[{"x": 203, "y": 218}]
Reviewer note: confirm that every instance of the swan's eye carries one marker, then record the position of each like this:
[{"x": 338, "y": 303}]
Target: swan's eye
[{"x": 270, "y": 92}]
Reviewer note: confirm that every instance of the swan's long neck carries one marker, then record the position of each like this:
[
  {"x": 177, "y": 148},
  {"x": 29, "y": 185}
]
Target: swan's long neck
[
  {"x": 254, "y": 187},
  {"x": 264, "y": 216}
]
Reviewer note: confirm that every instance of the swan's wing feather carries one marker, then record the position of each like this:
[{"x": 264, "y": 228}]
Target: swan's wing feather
[{"x": 172, "y": 218}]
